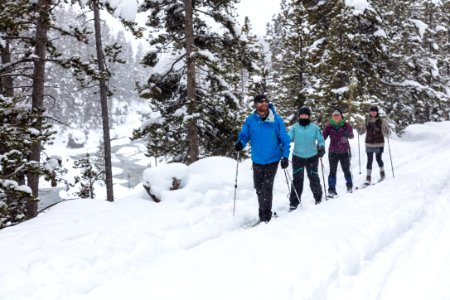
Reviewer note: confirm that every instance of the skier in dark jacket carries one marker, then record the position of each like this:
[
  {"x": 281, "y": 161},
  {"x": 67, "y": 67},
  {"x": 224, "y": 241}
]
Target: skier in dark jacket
[
  {"x": 340, "y": 132},
  {"x": 309, "y": 146},
  {"x": 265, "y": 131},
  {"x": 376, "y": 129}
]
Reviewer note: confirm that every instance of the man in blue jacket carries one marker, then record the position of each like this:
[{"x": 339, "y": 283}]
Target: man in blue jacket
[
  {"x": 266, "y": 132},
  {"x": 309, "y": 146}
]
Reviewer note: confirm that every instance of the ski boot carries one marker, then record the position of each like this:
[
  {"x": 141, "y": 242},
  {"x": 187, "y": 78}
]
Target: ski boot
[
  {"x": 349, "y": 188},
  {"x": 382, "y": 175},
  {"x": 292, "y": 208},
  {"x": 331, "y": 193}
]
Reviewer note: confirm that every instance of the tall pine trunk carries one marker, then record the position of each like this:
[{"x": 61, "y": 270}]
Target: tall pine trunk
[
  {"x": 191, "y": 93},
  {"x": 104, "y": 102},
  {"x": 6, "y": 82},
  {"x": 38, "y": 94}
]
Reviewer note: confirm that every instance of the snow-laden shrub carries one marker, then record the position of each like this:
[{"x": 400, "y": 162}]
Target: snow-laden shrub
[{"x": 13, "y": 202}]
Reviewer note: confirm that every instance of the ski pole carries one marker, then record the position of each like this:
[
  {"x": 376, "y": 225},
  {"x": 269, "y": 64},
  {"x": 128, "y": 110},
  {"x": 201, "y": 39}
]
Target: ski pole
[
  {"x": 235, "y": 182},
  {"x": 287, "y": 182},
  {"x": 323, "y": 178},
  {"x": 293, "y": 186},
  {"x": 390, "y": 157},
  {"x": 359, "y": 155}
]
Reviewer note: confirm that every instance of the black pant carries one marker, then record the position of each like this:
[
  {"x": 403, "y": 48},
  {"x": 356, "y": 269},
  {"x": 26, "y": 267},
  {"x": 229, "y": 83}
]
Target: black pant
[
  {"x": 334, "y": 158},
  {"x": 298, "y": 166},
  {"x": 263, "y": 177},
  {"x": 377, "y": 157}
]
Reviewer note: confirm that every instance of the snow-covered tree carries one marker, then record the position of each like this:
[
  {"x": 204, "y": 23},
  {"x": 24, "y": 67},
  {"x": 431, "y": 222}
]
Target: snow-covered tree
[
  {"x": 348, "y": 51},
  {"x": 202, "y": 121},
  {"x": 18, "y": 136},
  {"x": 23, "y": 47},
  {"x": 415, "y": 82},
  {"x": 289, "y": 41},
  {"x": 101, "y": 74},
  {"x": 91, "y": 170}
]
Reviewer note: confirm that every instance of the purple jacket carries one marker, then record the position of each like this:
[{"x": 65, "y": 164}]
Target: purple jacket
[{"x": 338, "y": 137}]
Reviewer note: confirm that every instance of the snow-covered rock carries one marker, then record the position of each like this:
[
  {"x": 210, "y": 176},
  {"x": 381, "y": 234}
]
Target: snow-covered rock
[
  {"x": 163, "y": 178},
  {"x": 76, "y": 139}
]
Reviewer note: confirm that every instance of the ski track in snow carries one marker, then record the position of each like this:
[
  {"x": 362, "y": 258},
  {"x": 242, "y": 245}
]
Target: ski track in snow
[
  {"x": 394, "y": 267},
  {"x": 370, "y": 244}
]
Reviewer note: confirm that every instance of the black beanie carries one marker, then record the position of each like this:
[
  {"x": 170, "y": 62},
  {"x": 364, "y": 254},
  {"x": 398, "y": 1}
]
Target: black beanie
[
  {"x": 304, "y": 110},
  {"x": 338, "y": 110},
  {"x": 259, "y": 97},
  {"x": 373, "y": 108}
]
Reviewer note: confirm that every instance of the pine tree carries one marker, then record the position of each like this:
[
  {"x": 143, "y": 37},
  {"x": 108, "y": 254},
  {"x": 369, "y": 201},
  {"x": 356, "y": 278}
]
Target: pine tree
[
  {"x": 71, "y": 73},
  {"x": 101, "y": 76},
  {"x": 416, "y": 74},
  {"x": 17, "y": 138},
  {"x": 23, "y": 29},
  {"x": 214, "y": 108},
  {"x": 91, "y": 171},
  {"x": 243, "y": 62},
  {"x": 349, "y": 61},
  {"x": 274, "y": 57},
  {"x": 37, "y": 94},
  {"x": 289, "y": 45}
]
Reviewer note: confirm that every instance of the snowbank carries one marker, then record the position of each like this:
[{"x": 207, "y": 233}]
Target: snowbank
[{"x": 388, "y": 241}]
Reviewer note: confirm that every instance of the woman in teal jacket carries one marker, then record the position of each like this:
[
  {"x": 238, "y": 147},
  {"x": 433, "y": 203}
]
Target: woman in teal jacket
[
  {"x": 265, "y": 131},
  {"x": 309, "y": 145}
]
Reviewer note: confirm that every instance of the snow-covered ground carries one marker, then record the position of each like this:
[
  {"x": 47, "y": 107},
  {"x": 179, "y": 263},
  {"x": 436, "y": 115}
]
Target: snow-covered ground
[{"x": 388, "y": 241}]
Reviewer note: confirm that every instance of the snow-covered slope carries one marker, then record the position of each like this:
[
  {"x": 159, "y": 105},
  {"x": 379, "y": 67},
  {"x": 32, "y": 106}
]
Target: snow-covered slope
[{"x": 388, "y": 241}]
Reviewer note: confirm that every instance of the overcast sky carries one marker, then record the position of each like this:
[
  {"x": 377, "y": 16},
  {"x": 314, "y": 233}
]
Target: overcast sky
[{"x": 260, "y": 13}]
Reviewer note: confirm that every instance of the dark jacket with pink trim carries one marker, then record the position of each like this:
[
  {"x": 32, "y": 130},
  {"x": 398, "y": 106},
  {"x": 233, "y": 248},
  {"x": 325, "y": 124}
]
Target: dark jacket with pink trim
[{"x": 339, "y": 136}]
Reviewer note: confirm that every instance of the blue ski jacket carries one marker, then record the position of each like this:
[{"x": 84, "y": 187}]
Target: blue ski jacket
[
  {"x": 269, "y": 140},
  {"x": 306, "y": 138}
]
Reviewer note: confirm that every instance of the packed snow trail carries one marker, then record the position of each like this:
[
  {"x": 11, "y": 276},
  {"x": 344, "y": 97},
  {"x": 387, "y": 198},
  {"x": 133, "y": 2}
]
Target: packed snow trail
[
  {"x": 413, "y": 265},
  {"x": 389, "y": 241}
]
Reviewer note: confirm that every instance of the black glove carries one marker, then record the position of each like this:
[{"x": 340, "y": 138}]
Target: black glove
[
  {"x": 369, "y": 125},
  {"x": 284, "y": 163},
  {"x": 238, "y": 146},
  {"x": 320, "y": 151}
]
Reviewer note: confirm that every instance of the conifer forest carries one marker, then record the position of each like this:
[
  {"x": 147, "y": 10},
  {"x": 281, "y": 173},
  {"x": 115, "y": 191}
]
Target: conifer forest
[{"x": 86, "y": 64}]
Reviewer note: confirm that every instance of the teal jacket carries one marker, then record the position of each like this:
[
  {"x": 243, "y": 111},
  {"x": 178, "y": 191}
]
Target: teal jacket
[{"x": 306, "y": 138}]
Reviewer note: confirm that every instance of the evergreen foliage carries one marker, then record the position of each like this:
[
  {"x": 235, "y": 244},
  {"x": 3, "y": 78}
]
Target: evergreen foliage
[
  {"x": 324, "y": 54},
  {"x": 218, "y": 58},
  {"x": 91, "y": 171},
  {"x": 20, "y": 84},
  {"x": 289, "y": 58},
  {"x": 393, "y": 54},
  {"x": 74, "y": 101},
  {"x": 24, "y": 127},
  {"x": 417, "y": 80},
  {"x": 18, "y": 135}
]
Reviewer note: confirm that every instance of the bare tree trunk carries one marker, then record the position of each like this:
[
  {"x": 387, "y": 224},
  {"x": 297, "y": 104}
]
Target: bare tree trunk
[
  {"x": 91, "y": 188},
  {"x": 6, "y": 82},
  {"x": 104, "y": 102},
  {"x": 38, "y": 94},
  {"x": 191, "y": 93}
]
